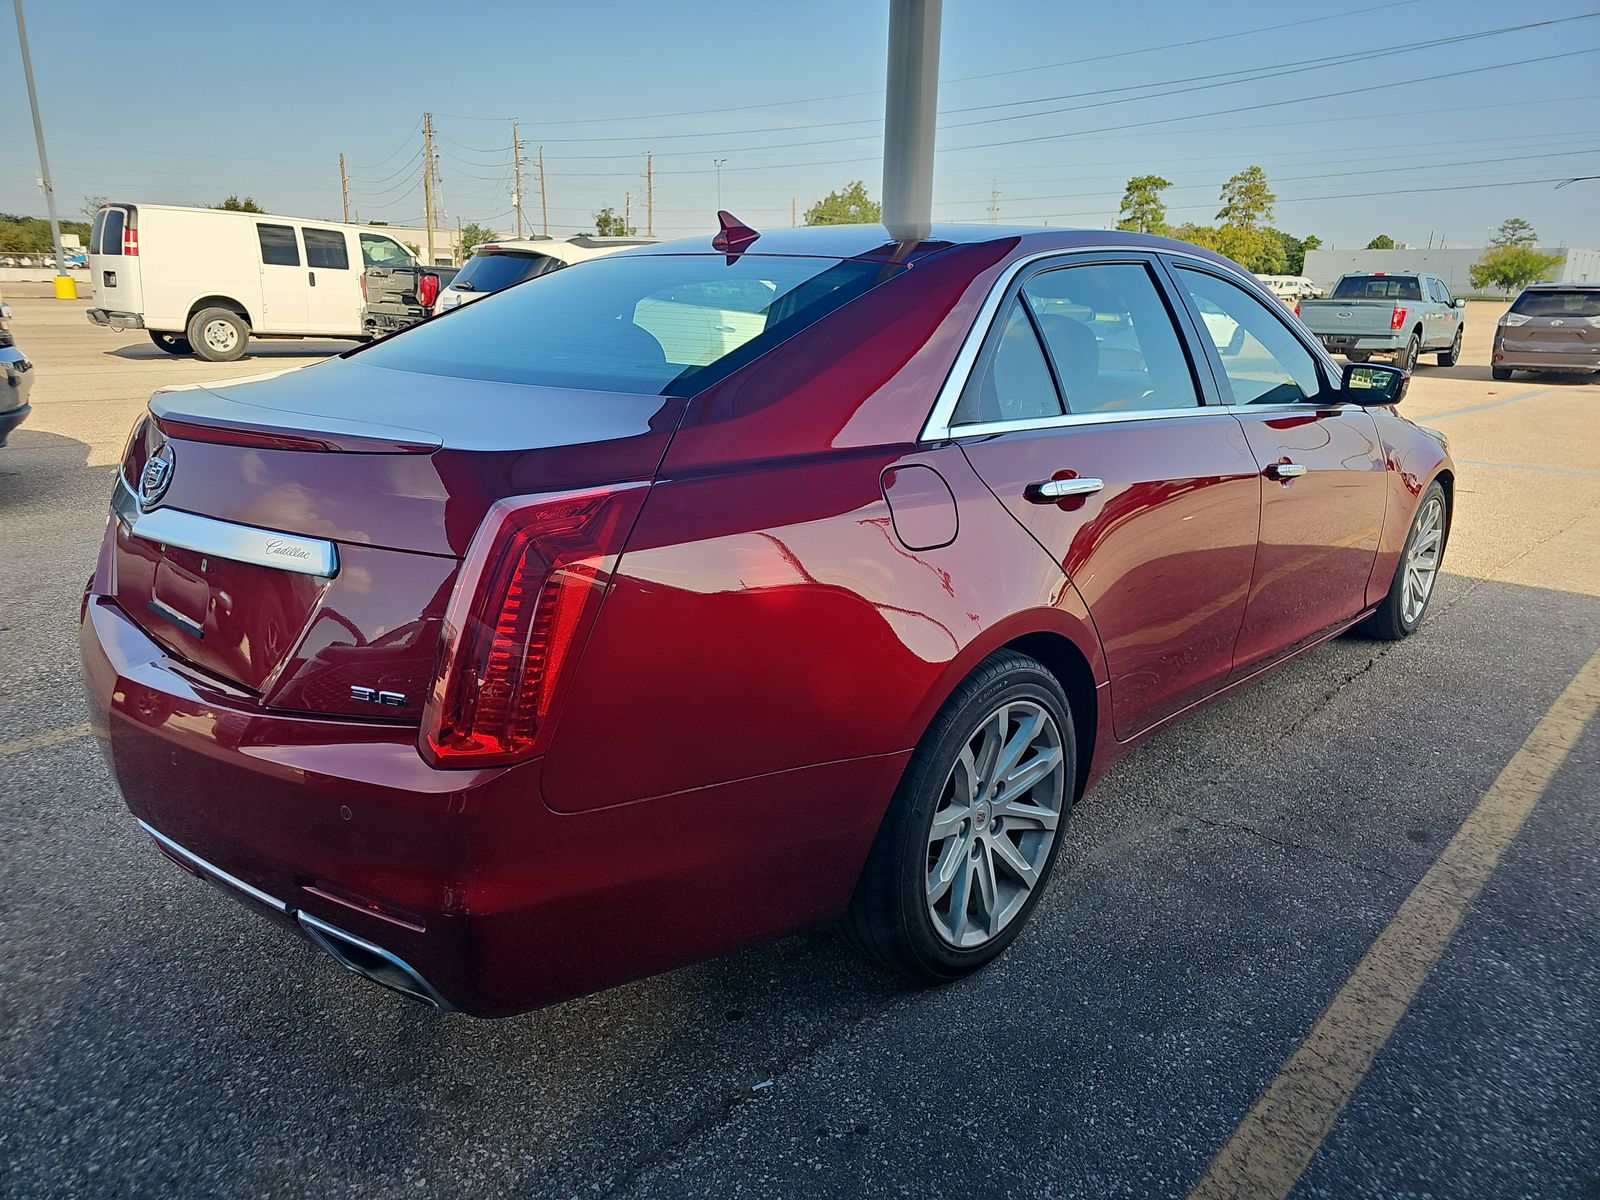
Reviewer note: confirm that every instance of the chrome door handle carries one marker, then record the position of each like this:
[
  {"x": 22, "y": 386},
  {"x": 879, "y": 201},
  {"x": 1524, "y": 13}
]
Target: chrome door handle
[
  {"x": 1062, "y": 489},
  {"x": 1287, "y": 470}
]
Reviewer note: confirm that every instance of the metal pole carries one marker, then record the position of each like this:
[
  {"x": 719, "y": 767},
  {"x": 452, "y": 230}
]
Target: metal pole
[
  {"x": 427, "y": 179},
  {"x": 344, "y": 189},
  {"x": 516, "y": 159},
  {"x": 717, "y": 163},
  {"x": 544, "y": 211},
  {"x": 65, "y": 293},
  {"x": 910, "y": 114}
]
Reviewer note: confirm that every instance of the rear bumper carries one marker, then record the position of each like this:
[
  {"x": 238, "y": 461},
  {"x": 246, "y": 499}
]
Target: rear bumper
[
  {"x": 1522, "y": 358},
  {"x": 10, "y": 419},
  {"x": 465, "y": 879},
  {"x": 1377, "y": 343},
  {"x": 106, "y": 316}
]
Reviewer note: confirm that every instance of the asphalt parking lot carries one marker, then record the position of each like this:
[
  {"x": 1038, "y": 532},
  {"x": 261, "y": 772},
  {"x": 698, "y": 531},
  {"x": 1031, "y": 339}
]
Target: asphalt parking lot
[{"x": 1277, "y": 870}]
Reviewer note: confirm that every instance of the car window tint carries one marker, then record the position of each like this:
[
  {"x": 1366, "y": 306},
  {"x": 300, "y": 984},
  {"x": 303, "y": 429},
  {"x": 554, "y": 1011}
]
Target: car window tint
[
  {"x": 1111, "y": 338},
  {"x": 379, "y": 251},
  {"x": 1565, "y": 303},
  {"x": 654, "y": 323},
  {"x": 1012, "y": 382},
  {"x": 278, "y": 246},
  {"x": 1377, "y": 287},
  {"x": 111, "y": 231},
  {"x": 325, "y": 248},
  {"x": 1264, "y": 362},
  {"x": 490, "y": 272}
]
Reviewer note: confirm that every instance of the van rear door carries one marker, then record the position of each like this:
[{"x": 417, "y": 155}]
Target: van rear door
[
  {"x": 284, "y": 281},
  {"x": 114, "y": 259}
]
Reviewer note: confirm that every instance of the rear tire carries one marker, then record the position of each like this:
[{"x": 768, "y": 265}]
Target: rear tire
[
  {"x": 1449, "y": 358},
  {"x": 1357, "y": 356},
  {"x": 218, "y": 334},
  {"x": 172, "y": 343},
  {"x": 953, "y": 840},
  {"x": 1406, "y": 359},
  {"x": 1416, "y": 573},
  {"x": 1500, "y": 373}
]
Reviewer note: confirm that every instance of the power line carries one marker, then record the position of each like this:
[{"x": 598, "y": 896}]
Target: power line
[{"x": 401, "y": 147}]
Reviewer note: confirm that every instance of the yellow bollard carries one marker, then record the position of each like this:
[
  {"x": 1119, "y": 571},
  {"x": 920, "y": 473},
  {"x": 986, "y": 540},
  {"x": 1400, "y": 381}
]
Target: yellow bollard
[{"x": 66, "y": 287}]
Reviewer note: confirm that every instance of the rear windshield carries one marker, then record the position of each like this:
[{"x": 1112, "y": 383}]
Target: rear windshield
[
  {"x": 494, "y": 271},
  {"x": 659, "y": 324},
  {"x": 1575, "y": 303},
  {"x": 1377, "y": 287},
  {"x": 106, "y": 237}
]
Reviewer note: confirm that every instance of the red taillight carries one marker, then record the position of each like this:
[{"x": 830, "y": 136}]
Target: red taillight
[
  {"x": 1297, "y": 308},
  {"x": 130, "y": 241},
  {"x": 531, "y": 581},
  {"x": 1397, "y": 318},
  {"x": 363, "y": 287},
  {"x": 427, "y": 290}
]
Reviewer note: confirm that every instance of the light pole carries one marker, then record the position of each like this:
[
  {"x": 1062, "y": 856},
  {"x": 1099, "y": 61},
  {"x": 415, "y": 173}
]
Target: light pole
[
  {"x": 910, "y": 115},
  {"x": 66, "y": 286},
  {"x": 717, "y": 163}
]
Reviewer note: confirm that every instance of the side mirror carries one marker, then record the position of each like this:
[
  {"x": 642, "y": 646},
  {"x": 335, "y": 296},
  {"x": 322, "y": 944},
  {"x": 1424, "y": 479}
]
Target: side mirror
[
  {"x": 1459, "y": 302},
  {"x": 1374, "y": 385}
]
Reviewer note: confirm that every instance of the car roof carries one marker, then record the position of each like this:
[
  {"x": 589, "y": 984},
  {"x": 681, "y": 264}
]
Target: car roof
[
  {"x": 878, "y": 243},
  {"x": 1571, "y": 285}
]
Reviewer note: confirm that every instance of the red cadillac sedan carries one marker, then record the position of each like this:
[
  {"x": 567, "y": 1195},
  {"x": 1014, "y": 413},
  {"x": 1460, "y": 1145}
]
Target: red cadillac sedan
[{"x": 719, "y": 588}]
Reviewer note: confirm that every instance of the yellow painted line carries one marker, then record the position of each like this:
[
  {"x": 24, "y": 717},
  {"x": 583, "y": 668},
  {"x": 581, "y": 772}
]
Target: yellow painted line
[
  {"x": 40, "y": 740},
  {"x": 1274, "y": 1143}
]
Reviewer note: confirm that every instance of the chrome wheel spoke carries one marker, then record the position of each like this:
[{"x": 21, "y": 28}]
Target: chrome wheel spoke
[
  {"x": 1004, "y": 849},
  {"x": 1019, "y": 816},
  {"x": 1028, "y": 776}
]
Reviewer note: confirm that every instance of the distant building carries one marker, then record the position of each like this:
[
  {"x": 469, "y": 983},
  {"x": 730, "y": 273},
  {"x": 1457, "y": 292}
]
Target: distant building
[{"x": 1452, "y": 266}]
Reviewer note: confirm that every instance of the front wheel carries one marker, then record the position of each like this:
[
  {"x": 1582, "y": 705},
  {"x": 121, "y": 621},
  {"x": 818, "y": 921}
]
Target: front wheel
[
  {"x": 972, "y": 834},
  {"x": 1414, "y": 576},
  {"x": 172, "y": 343},
  {"x": 1448, "y": 358},
  {"x": 1406, "y": 359}
]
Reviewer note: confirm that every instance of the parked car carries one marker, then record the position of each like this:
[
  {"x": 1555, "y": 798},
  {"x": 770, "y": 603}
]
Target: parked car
[
  {"x": 515, "y": 655},
  {"x": 1291, "y": 289},
  {"x": 205, "y": 280},
  {"x": 398, "y": 297},
  {"x": 1378, "y": 313},
  {"x": 16, "y": 378},
  {"x": 1549, "y": 327},
  {"x": 497, "y": 265}
]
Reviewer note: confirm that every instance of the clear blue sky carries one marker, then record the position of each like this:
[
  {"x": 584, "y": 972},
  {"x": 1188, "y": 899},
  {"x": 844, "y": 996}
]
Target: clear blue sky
[{"x": 184, "y": 102}]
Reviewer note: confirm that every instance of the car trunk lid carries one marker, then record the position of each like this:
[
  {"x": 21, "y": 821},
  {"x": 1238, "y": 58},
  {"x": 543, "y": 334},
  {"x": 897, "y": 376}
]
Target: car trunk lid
[{"x": 302, "y": 539}]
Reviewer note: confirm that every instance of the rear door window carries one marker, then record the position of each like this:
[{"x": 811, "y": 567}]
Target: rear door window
[
  {"x": 1013, "y": 382},
  {"x": 326, "y": 249},
  {"x": 278, "y": 245},
  {"x": 377, "y": 251},
  {"x": 110, "y": 224},
  {"x": 1263, "y": 361}
]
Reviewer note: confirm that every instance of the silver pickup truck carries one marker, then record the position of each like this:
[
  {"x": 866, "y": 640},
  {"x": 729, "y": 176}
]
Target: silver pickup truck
[{"x": 1378, "y": 313}]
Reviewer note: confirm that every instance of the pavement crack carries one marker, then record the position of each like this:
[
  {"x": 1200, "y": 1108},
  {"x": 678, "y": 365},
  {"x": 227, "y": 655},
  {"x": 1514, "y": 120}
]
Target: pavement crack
[{"x": 1286, "y": 844}]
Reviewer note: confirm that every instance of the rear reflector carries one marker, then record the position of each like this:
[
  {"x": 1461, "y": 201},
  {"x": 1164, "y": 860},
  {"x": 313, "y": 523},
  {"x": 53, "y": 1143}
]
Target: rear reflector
[
  {"x": 130, "y": 240},
  {"x": 531, "y": 583}
]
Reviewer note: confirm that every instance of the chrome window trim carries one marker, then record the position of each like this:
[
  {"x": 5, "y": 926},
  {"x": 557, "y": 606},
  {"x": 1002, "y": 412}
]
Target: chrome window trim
[
  {"x": 937, "y": 427},
  {"x": 225, "y": 539}
]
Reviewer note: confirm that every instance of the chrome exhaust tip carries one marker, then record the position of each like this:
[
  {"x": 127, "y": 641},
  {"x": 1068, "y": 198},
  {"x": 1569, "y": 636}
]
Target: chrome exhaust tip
[{"x": 371, "y": 962}]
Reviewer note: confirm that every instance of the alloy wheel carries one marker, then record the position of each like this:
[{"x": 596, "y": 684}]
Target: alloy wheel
[
  {"x": 995, "y": 823},
  {"x": 1422, "y": 560}
]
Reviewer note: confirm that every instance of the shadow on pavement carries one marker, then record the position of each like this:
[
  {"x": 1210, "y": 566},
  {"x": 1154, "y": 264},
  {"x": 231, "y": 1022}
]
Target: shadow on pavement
[{"x": 321, "y": 348}]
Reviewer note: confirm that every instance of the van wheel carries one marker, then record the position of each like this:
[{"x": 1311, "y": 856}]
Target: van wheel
[
  {"x": 1500, "y": 373},
  {"x": 218, "y": 334},
  {"x": 967, "y": 846},
  {"x": 172, "y": 343}
]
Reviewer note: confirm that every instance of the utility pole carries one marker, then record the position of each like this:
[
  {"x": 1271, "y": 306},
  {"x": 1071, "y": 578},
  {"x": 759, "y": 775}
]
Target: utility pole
[
  {"x": 717, "y": 163},
  {"x": 66, "y": 286},
  {"x": 516, "y": 166},
  {"x": 794, "y": 210},
  {"x": 627, "y": 211},
  {"x": 910, "y": 116},
  {"x": 649, "y": 193},
  {"x": 427, "y": 179},
  {"x": 344, "y": 189},
  {"x": 544, "y": 211},
  {"x": 994, "y": 202}
]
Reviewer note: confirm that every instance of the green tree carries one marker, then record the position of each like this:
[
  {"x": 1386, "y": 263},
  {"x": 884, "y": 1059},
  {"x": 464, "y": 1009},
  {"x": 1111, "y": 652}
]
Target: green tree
[
  {"x": 1511, "y": 267},
  {"x": 1382, "y": 242},
  {"x": 609, "y": 223},
  {"x": 849, "y": 206},
  {"x": 1247, "y": 200},
  {"x": 1142, "y": 208},
  {"x": 234, "y": 204},
  {"x": 1514, "y": 231},
  {"x": 472, "y": 234},
  {"x": 1294, "y": 250}
]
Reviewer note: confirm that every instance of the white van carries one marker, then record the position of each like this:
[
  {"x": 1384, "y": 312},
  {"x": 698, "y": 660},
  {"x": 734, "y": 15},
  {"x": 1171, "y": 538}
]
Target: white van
[
  {"x": 1291, "y": 289},
  {"x": 499, "y": 264},
  {"x": 205, "y": 280}
]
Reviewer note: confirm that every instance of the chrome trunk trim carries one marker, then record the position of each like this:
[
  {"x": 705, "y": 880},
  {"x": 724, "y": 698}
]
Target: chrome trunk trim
[{"x": 240, "y": 543}]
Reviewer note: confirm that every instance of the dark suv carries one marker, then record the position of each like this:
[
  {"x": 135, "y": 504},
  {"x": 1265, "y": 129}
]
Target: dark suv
[{"x": 1550, "y": 327}]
